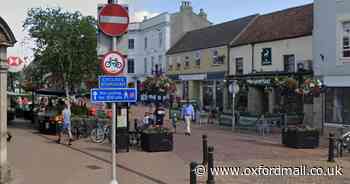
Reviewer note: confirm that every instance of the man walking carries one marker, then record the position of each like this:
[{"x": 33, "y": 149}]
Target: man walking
[{"x": 188, "y": 115}]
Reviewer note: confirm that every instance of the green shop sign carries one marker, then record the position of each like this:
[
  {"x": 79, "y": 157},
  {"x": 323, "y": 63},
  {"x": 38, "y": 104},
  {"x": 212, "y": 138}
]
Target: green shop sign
[{"x": 266, "y": 56}]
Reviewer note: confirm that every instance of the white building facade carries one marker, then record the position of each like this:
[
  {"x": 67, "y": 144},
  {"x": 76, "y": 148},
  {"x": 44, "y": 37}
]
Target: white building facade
[
  {"x": 146, "y": 43},
  {"x": 332, "y": 59}
]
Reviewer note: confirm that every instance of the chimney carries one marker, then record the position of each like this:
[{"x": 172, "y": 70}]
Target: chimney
[
  {"x": 203, "y": 14},
  {"x": 145, "y": 18},
  {"x": 186, "y": 6}
]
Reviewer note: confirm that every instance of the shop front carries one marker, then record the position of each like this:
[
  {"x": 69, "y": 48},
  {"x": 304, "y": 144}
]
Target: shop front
[{"x": 275, "y": 94}]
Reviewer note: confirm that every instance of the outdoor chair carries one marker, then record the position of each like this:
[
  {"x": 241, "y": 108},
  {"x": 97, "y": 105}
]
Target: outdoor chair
[{"x": 263, "y": 127}]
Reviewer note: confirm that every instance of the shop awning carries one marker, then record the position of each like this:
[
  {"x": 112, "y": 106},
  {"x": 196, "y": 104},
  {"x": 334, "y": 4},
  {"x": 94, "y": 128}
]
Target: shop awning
[
  {"x": 17, "y": 94},
  {"x": 51, "y": 92},
  {"x": 193, "y": 77},
  {"x": 264, "y": 75}
]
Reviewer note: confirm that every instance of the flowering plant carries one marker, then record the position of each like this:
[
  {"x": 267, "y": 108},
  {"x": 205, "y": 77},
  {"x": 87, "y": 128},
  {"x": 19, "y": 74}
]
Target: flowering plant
[{"x": 157, "y": 85}]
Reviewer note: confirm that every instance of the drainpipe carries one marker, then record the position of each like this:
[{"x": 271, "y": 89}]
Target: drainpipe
[{"x": 253, "y": 48}]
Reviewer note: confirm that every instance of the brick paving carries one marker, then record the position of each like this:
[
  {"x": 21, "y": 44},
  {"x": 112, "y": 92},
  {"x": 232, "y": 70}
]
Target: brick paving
[{"x": 31, "y": 156}]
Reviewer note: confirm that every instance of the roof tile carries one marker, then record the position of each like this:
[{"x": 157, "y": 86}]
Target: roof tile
[
  {"x": 289, "y": 23},
  {"x": 212, "y": 36}
]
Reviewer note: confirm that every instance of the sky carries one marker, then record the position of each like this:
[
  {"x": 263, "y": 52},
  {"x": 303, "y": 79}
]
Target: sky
[{"x": 14, "y": 12}]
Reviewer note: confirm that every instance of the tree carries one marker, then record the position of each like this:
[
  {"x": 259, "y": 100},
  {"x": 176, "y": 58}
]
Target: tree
[{"x": 65, "y": 45}]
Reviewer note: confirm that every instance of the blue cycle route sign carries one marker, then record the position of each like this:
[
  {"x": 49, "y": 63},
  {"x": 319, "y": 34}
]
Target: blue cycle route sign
[
  {"x": 112, "y": 82},
  {"x": 114, "y": 95}
]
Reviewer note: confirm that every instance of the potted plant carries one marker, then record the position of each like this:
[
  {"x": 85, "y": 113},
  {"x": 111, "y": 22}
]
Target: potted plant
[
  {"x": 156, "y": 139},
  {"x": 300, "y": 137}
]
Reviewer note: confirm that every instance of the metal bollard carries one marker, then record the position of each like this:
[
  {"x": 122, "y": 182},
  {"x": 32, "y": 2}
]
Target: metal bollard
[
  {"x": 331, "y": 147},
  {"x": 211, "y": 179},
  {"x": 193, "y": 176},
  {"x": 205, "y": 149}
]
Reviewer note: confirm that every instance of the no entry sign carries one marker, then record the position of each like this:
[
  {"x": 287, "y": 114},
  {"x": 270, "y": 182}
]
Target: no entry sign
[
  {"x": 113, "y": 63},
  {"x": 113, "y": 20}
]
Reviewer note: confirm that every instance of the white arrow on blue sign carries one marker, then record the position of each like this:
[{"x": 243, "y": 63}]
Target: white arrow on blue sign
[
  {"x": 112, "y": 82},
  {"x": 114, "y": 95}
]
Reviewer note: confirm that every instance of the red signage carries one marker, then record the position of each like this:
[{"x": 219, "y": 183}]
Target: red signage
[
  {"x": 113, "y": 20},
  {"x": 15, "y": 64},
  {"x": 113, "y": 63}
]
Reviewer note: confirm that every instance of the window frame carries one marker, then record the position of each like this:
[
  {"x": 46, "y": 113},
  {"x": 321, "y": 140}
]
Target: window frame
[
  {"x": 131, "y": 60},
  {"x": 345, "y": 35},
  {"x": 286, "y": 58},
  {"x": 197, "y": 56},
  {"x": 131, "y": 40},
  {"x": 146, "y": 42},
  {"x": 239, "y": 59}
]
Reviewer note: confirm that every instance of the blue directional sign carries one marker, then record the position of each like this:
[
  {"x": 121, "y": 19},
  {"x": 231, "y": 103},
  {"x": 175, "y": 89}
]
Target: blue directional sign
[
  {"x": 114, "y": 95},
  {"x": 112, "y": 82}
]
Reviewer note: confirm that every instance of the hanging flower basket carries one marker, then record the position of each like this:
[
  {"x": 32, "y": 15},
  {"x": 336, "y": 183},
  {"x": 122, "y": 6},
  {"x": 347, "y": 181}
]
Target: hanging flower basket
[{"x": 157, "y": 85}]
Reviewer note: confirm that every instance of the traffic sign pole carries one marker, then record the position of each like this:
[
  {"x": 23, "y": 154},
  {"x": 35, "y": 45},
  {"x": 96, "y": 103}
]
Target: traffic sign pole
[{"x": 114, "y": 125}]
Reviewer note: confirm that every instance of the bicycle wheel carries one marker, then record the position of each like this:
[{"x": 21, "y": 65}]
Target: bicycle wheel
[
  {"x": 338, "y": 148},
  {"x": 97, "y": 135}
]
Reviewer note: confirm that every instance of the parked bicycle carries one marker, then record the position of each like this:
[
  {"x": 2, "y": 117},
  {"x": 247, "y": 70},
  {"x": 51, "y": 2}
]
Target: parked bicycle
[
  {"x": 80, "y": 130},
  {"x": 343, "y": 141},
  {"x": 101, "y": 133}
]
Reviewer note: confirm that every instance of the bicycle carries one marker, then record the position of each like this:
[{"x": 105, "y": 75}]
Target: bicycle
[
  {"x": 101, "y": 133},
  {"x": 81, "y": 130},
  {"x": 65, "y": 139},
  {"x": 343, "y": 141}
]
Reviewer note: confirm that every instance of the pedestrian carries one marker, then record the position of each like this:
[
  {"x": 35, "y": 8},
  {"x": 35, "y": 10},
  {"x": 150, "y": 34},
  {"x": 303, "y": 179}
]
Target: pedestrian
[
  {"x": 188, "y": 115},
  {"x": 66, "y": 114},
  {"x": 174, "y": 120},
  {"x": 159, "y": 115}
]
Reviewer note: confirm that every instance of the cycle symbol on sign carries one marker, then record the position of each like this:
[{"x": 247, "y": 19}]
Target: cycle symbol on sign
[{"x": 113, "y": 64}]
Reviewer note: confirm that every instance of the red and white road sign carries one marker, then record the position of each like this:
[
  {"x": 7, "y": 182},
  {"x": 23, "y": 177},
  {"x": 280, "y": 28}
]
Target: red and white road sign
[
  {"x": 113, "y": 20},
  {"x": 113, "y": 63},
  {"x": 15, "y": 64}
]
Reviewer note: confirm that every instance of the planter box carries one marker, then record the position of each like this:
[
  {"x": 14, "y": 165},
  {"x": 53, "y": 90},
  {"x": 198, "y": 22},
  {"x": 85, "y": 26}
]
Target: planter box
[
  {"x": 154, "y": 142},
  {"x": 300, "y": 139}
]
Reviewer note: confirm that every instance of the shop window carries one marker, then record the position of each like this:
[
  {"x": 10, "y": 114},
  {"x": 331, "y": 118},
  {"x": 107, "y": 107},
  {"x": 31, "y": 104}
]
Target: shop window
[
  {"x": 338, "y": 105},
  {"x": 289, "y": 63},
  {"x": 239, "y": 66},
  {"x": 208, "y": 95},
  {"x": 346, "y": 40}
]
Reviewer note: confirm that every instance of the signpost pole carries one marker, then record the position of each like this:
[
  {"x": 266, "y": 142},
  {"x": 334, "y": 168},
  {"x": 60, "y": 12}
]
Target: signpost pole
[{"x": 114, "y": 126}]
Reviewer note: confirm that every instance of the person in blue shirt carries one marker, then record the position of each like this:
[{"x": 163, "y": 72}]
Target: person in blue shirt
[
  {"x": 66, "y": 113},
  {"x": 188, "y": 115}
]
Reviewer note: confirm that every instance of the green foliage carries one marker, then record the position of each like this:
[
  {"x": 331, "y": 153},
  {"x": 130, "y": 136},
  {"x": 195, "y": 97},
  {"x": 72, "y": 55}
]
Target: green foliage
[
  {"x": 79, "y": 111},
  {"x": 65, "y": 45},
  {"x": 157, "y": 130}
]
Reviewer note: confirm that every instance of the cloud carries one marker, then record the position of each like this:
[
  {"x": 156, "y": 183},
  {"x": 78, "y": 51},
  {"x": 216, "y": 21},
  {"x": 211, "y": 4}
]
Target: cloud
[{"x": 139, "y": 15}]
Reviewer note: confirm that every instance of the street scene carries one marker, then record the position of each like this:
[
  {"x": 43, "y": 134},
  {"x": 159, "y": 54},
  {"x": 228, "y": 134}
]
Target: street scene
[{"x": 175, "y": 92}]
